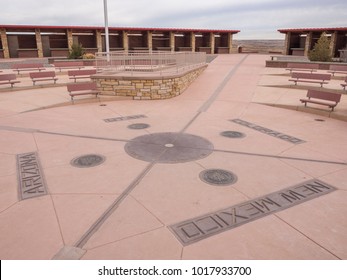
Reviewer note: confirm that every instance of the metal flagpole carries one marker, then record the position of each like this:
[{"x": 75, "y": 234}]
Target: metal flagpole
[{"x": 106, "y": 32}]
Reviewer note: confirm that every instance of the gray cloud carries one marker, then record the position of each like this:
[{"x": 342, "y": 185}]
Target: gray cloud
[{"x": 255, "y": 18}]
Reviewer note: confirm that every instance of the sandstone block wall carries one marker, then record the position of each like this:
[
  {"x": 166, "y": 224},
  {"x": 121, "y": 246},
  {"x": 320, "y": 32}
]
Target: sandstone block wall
[{"x": 156, "y": 87}]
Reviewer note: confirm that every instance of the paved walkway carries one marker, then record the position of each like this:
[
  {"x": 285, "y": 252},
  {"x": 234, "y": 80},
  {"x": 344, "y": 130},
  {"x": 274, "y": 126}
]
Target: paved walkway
[{"x": 148, "y": 198}]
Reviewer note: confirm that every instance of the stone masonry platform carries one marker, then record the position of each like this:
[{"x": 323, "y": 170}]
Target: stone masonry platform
[{"x": 144, "y": 86}]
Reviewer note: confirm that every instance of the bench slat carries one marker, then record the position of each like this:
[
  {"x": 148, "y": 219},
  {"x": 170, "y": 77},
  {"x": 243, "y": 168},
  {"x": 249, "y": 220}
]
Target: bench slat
[
  {"x": 81, "y": 74},
  {"x": 310, "y": 78},
  {"x": 329, "y": 99},
  {"x": 82, "y": 89},
  {"x": 68, "y": 65},
  {"x": 341, "y": 69},
  {"x": 43, "y": 76},
  {"x": 10, "y": 79},
  {"x": 302, "y": 67},
  {"x": 27, "y": 67}
]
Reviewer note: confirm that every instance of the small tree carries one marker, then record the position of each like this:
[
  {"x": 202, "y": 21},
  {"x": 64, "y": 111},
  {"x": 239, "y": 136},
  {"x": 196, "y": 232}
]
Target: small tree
[
  {"x": 321, "y": 50},
  {"x": 76, "y": 51}
]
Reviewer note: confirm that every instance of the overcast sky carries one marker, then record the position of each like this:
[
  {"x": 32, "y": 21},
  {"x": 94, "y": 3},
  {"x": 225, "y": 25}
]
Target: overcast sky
[{"x": 257, "y": 19}]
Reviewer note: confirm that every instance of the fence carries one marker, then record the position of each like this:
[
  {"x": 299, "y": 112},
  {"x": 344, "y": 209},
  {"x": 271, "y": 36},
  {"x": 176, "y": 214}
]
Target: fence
[{"x": 149, "y": 62}]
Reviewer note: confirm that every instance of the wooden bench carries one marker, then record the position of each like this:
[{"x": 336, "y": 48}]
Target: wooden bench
[
  {"x": 86, "y": 88},
  {"x": 27, "y": 67},
  {"x": 329, "y": 99},
  {"x": 43, "y": 76},
  {"x": 341, "y": 69},
  {"x": 302, "y": 67},
  {"x": 8, "y": 79},
  {"x": 345, "y": 84},
  {"x": 310, "y": 78},
  {"x": 81, "y": 74},
  {"x": 68, "y": 65}
]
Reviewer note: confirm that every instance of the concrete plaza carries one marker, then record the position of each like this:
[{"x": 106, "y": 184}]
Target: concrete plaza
[{"x": 134, "y": 202}]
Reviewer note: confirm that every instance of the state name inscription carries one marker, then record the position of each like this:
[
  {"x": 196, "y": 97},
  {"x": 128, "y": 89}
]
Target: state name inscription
[
  {"x": 31, "y": 181},
  {"x": 204, "y": 226}
]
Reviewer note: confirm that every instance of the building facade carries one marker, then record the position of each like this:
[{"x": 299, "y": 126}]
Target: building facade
[
  {"x": 27, "y": 41},
  {"x": 300, "y": 41}
]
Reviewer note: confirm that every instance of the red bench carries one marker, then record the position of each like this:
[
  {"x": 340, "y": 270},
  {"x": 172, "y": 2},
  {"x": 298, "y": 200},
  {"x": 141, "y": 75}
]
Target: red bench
[
  {"x": 8, "y": 79},
  {"x": 302, "y": 67},
  {"x": 81, "y": 74},
  {"x": 310, "y": 78},
  {"x": 68, "y": 65},
  {"x": 86, "y": 88},
  {"x": 341, "y": 69},
  {"x": 43, "y": 76},
  {"x": 329, "y": 99},
  {"x": 27, "y": 67}
]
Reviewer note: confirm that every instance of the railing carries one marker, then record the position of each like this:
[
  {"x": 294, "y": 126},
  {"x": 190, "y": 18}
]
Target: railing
[{"x": 160, "y": 62}]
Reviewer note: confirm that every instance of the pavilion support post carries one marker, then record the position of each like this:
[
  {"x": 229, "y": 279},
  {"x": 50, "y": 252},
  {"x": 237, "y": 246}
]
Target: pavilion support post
[
  {"x": 4, "y": 42},
  {"x": 172, "y": 41},
  {"x": 192, "y": 41},
  {"x": 39, "y": 43},
  {"x": 125, "y": 41},
  {"x": 308, "y": 43},
  {"x": 212, "y": 42}
]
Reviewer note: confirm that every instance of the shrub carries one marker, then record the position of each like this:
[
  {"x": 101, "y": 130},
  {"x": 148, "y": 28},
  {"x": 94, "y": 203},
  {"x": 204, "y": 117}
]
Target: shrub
[
  {"x": 321, "y": 50},
  {"x": 76, "y": 51},
  {"x": 88, "y": 56}
]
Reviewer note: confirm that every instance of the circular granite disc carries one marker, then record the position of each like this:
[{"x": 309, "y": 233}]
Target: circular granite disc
[
  {"x": 218, "y": 177},
  {"x": 232, "y": 134},
  {"x": 88, "y": 160},
  {"x": 138, "y": 126},
  {"x": 169, "y": 147}
]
